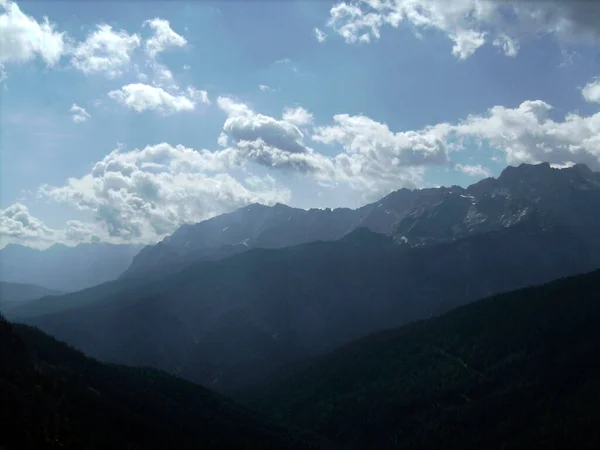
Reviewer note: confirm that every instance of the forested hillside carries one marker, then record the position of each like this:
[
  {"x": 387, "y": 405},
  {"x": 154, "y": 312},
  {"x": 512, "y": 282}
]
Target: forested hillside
[{"x": 515, "y": 371}]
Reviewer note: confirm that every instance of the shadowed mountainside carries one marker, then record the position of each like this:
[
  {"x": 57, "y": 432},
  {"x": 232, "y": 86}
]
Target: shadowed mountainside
[
  {"x": 230, "y": 323},
  {"x": 52, "y": 396},
  {"x": 515, "y": 371}
]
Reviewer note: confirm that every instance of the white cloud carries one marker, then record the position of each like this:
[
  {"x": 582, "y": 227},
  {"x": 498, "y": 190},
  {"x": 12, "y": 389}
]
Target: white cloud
[
  {"x": 23, "y": 38},
  {"x": 143, "y": 97},
  {"x": 79, "y": 114},
  {"x": 279, "y": 144},
  {"x": 527, "y": 134},
  {"x": 591, "y": 91},
  {"x": 243, "y": 124},
  {"x": 466, "y": 42},
  {"x": 473, "y": 170},
  {"x": 163, "y": 37},
  {"x": 360, "y": 135},
  {"x": 222, "y": 140},
  {"x": 298, "y": 116},
  {"x": 509, "y": 46},
  {"x": 17, "y": 223},
  {"x": 320, "y": 35},
  {"x": 264, "y": 87},
  {"x": 470, "y": 23},
  {"x": 308, "y": 162},
  {"x": 105, "y": 51},
  {"x": 145, "y": 194}
]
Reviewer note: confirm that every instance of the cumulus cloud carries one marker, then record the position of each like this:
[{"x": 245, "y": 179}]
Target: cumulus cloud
[
  {"x": 591, "y": 91},
  {"x": 360, "y": 135},
  {"x": 473, "y": 170},
  {"x": 105, "y": 51},
  {"x": 470, "y": 23},
  {"x": 525, "y": 133},
  {"x": 23, "y": 38},
  {"x": 297, "y": 116},
  {"x": 145, "y": 194},
  {"x": 309, "y": 162},
  {"x": 17, "y": 223},
  {"x": 528, "y": 134},
  {"x": 163, "y": 37},
  {"x": 143, "y": 97},
  {"x": 79, "y": 114},
  {"x": 279, "y": 144},
  {"x": 243, "y": 124}
]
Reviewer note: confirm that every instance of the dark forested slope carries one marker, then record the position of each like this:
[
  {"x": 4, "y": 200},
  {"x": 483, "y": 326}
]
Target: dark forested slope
[
  {"x": 52, "y": 396},
  {"x": 515, "y": 371}
]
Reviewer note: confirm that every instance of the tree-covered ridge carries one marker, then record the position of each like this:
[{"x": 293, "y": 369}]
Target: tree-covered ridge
[
  {"x": 52, "y": 396},
  {"x": 515, "y": 371}
]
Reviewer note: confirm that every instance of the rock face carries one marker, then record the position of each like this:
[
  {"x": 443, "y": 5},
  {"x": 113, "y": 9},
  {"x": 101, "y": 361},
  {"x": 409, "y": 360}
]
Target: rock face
[
  {"x": 528, "y": 193},
  {"x": 550, "y": 196},
  {"x": 260, "y": 226}
]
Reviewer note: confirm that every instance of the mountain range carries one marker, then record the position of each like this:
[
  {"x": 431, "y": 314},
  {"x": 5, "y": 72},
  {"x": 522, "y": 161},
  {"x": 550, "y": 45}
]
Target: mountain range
[
  {"x": 555, "y": 197},
  {"x": 230, "y": 322},
  {"x": 64, "y": 268}
]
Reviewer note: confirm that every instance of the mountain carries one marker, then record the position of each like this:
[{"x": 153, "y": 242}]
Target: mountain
[
  {"x": 64, "y": 268},
  {"x": 556, "y": 197},
  {"x": 52, "y": 396},
  {"x": 260, "y": 226},
  {"x": 230, "y": 323},
  {"x": 16, "y": 294},
  {"x": 515, "y": 371}
]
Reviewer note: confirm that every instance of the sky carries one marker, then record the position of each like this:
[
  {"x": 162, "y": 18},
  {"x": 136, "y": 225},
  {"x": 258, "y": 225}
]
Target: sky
[{"x": 122, "y": 120}]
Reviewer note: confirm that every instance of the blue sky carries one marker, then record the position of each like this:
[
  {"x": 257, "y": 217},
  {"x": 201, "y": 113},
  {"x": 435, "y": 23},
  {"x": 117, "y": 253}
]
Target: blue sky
[{"x": 122, "y": 120}]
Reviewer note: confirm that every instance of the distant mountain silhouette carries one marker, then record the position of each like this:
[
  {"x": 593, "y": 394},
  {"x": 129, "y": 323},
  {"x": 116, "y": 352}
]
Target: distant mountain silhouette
[
  {"x": 516, "y": 371},
  {"x": 64, "y": 268},
  {"x": 16, "y": 294},
  {"x": 52, "y": 396}
]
